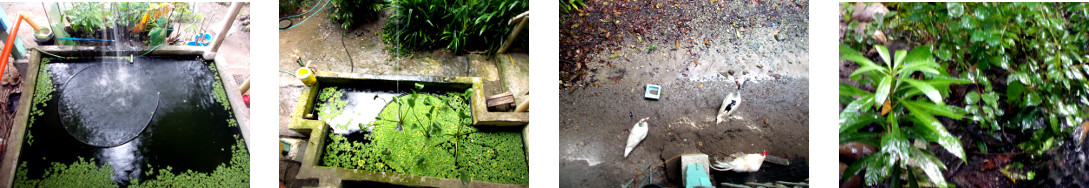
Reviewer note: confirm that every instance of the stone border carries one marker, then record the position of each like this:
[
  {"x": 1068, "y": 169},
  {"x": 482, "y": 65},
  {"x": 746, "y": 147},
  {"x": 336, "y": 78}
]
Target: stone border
[
  {"x": 18, "y": 129},
  {"x": 333, "y": 176}
]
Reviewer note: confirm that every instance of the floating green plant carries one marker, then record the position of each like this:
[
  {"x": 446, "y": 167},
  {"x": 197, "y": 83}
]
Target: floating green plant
[
  {"x": 217, "y": 89},
  {"x": 435, "y": 138},
  {"x": 86, "y": 174},
  {"x": 78, "y": 174},
  {"x": 43, "y": 92}
]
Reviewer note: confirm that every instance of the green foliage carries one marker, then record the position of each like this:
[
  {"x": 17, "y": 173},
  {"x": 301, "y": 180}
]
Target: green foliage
[
  {"x": 437, "y": 140},
  {"x": 1026, "y": 59},
  {"x": 349, "y": 12},
  {"x": 87, "y": 16},
  {"x": 909, "y": 93},
  {"x": 78, "y": 174},
  {"x": 567, "y": 6},
  {"x": 290, "y": 7},
  {"x": 457, "y": 25}
]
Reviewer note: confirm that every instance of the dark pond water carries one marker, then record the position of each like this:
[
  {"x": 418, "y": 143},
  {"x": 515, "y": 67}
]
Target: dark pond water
[{"x": 158, "y": 111}]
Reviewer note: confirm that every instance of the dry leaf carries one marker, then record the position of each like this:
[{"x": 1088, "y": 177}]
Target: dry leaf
[{"x": 885, "y": 108}]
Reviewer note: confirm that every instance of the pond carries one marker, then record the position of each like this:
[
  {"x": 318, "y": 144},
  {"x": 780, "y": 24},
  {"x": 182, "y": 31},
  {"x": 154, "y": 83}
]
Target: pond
[
  {"x": 426, "y": 133},
  {"x": 131, "y": 121}
]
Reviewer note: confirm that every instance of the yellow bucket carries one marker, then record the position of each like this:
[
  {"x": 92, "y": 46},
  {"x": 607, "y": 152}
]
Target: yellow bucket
[{"x": 306, "y": 76}]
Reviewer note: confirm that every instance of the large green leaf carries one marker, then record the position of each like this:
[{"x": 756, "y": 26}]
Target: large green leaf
[
  {"x": 934, "y": 131},
  {"x": 930, "y": 164},
  {"x": 900, "y": 54},
  {"x": 884, "y": 52},
  {"x": 882, "y": 91},
  {"x": 877, "y": 169},
  {"x": 849, "y": 90},
  {"x": 927, "y": 89},
  {"x": 850, "y": 121},
  {"x": 895, "y": 144},
  {"x": 936, "y": 109}
]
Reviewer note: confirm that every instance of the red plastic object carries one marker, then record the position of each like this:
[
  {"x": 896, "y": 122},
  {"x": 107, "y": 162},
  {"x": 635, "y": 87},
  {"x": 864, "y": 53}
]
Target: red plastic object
[{"x": 246, "y": 98}]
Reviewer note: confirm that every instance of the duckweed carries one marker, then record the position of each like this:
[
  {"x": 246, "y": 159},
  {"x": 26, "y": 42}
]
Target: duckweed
[
  {"x": 436, "y": 139},
  {"x": 78, "y": 174},
  {"x": 86, "y": 174}
]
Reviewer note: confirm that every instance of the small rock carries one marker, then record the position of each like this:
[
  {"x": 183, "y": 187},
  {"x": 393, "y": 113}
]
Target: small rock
[
  {"x": 776, "y": 76},
  {"x": 760, "y": 66}
]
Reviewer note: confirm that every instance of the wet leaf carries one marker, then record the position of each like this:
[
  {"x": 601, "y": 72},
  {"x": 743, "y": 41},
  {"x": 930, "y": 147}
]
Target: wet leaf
[
  {"x": 936, "y": 109},
  {"x": 930, "y": 165},
  {"x": 884, "y": 52},
  {"x": 955, "y": 9},
  {"x": 1013, "y": 91},
  {"x": 932, "y": 130},
  {"x": 883, "y": 89},
  {"x": 927, "y": 89},
  {"x": 971, "y": 98}
]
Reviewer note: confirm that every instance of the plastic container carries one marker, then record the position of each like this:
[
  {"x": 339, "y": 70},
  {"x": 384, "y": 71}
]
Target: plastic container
[
  {"x": 653, "y": 92},
  {"x": 306, "y": 76},
  {"x": 43, "y": 36}
]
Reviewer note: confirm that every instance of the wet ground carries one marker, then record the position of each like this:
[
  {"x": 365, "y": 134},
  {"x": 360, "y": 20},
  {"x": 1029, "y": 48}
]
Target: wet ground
[
  {"x": 612, "y": 49},
  {"x": 326, "y": 46}
]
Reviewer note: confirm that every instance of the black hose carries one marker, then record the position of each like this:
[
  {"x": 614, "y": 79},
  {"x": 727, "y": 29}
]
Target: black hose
[{"x": 352, "y": 69}]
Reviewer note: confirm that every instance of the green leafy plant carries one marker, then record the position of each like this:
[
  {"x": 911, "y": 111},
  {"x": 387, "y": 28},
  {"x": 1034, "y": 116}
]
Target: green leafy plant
[
  {"x": 1025, "y": 60},
  {"x": 458, "y": 25},
  {"x": 909, "y": 93},
  {"x": 86, "y": 17},
  {"x": 350, "y": 12}
]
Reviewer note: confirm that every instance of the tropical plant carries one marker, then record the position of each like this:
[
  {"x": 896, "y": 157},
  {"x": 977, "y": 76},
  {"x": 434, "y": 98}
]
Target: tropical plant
[
  {"x": 909, "y": 93},
  {"x": 349, "y": 12},
  {"x": 1026, "y": 61},
  {"x": 86, "y": 17},
  {"x": 458, "y": 25}
]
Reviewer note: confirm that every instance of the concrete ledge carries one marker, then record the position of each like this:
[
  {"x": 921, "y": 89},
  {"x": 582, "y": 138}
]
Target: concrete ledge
[{"x": 14, "y": 141}]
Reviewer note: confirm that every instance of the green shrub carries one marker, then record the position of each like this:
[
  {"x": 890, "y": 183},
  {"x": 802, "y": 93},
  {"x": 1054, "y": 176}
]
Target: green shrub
[
  {"x": 909, "y": 93},
  {"x": 1026, "y": 59},
  {"x": 350, "y": 12},
  {"x": 86, "y": 17},
  {"x": 458, "y": 25}
]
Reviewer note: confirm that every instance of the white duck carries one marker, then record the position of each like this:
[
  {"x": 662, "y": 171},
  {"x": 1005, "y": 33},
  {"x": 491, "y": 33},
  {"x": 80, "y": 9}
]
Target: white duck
[
  {"x": 638, "y": 133},
  {"x": 730, "y": 103},
  {"x": 741, "y": 162}
]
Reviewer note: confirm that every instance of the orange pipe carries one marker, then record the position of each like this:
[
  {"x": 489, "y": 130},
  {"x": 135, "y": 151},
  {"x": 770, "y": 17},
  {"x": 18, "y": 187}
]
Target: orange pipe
[{"x": 11, "y": 40}]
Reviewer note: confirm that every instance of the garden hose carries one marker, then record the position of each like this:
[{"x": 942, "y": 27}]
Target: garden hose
[
  {"x": 308, "y": 17},
  {"x": 292, "y": 74},
  {"x": 50, "y": 54},
  {"x": 352, "y": 69},
  {"x": 152, "y": 49}
]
